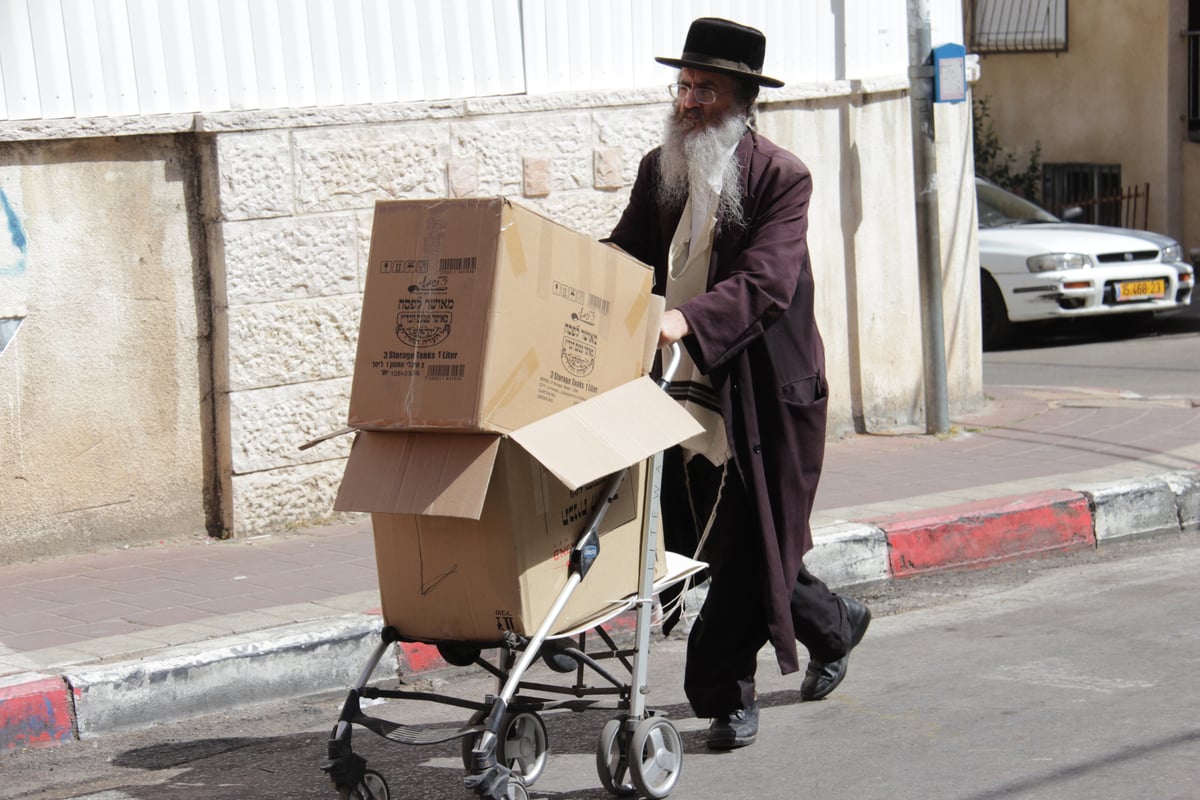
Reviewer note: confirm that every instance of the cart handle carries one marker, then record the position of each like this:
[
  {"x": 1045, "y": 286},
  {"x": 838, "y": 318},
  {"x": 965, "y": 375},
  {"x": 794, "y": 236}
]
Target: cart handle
[{"x": 675, "y": 352}]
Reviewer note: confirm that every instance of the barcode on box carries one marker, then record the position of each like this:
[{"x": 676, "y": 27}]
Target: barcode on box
[
  {"x": 569, "y": 292},
  {"x": 457, "y": 264},
  {"x": 435, "y": 372},
  {"x": 598, "y": 304},
  {"x": 404, "y": 267}
]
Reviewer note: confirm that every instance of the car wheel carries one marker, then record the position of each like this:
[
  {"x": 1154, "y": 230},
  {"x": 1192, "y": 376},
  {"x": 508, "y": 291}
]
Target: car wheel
[{"x": 997, "y": 328}]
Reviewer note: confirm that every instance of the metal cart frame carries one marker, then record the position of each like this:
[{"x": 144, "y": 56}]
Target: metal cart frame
[{"x": 504, "y": 742}]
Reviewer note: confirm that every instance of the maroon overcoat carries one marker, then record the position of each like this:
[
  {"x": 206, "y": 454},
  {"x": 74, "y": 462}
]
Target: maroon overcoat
[{"x": 754, "y": 334}]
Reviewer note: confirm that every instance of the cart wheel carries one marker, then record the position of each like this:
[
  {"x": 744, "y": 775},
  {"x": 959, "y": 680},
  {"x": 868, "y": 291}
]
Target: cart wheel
[
  {"x": 516, "y": 791},
  {"x": 611, "y": 762},
  {"x": 372, "y": 787},
  {"x": 521, "y": 746},
  {"x": 560, "y": 662},
  {"x": 655, "y": 757},
  {"x": 468, "y": 742},
  {"x": 457, "y": 653}
]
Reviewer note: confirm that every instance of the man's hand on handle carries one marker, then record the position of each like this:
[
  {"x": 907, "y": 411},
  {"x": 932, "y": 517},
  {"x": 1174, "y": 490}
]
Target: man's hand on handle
[{"x": 674, "y": 327}]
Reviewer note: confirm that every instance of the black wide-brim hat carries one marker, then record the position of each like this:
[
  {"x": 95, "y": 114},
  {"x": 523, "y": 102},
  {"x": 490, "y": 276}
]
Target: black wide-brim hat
[{"x": 718, "y": 45}]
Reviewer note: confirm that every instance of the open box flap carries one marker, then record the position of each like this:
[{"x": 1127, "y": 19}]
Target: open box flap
[
  {"x": 607, "y": 433},
  {"x": 418, "y": 473},
  {"x": 447, "y": 474}
]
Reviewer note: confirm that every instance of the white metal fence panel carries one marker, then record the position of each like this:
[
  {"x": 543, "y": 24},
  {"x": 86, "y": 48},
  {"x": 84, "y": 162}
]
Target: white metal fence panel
[
  {"x": 179, "y": 57},
  {"x": 85, "y": 58},
  {"x": 876, "y": 38},
  {"x": 813, "y": 43},
  {"x": 410, "y": 75},
  {"x": 380, "y": 51},
  {"x": 119, "y": 70},
  {"x": 18, "y": 71},
  {"x": 212, "y": 81},
  {"x": 283, "y": 71},
  {"x": 577, "y": 45},
  {"x": 946, "y": 22},
  {"x": 149, "y": 61},
  {"x": 323, "y": 42},
  {"x": 54, "y": 85}
]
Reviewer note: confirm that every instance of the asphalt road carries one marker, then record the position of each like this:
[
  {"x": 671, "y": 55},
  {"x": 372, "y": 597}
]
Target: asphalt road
[
  {"x": 1152, "y": 358},
  {"x": 1067, "y": 678}
]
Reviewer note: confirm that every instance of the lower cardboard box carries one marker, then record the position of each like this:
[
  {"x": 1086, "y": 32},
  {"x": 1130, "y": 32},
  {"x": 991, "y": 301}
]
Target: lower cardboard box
[
  {"x": 448, "y": 578},
  {"x": 473, "y": 532}
]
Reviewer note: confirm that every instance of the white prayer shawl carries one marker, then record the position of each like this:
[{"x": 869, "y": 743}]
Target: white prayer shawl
[{"x": 687, "y": 276}]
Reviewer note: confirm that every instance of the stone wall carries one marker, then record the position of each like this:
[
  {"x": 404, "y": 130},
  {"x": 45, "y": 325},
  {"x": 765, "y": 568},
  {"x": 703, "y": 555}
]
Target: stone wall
[
  {"x": 105, "y": 414},
  {"x": 193, "y": 297},
  {"x": 289, "y": 228}
]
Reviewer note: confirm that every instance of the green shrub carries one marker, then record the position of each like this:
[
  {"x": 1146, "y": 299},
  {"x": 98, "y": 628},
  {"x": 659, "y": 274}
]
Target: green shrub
[{"x": 998, "y": 164}]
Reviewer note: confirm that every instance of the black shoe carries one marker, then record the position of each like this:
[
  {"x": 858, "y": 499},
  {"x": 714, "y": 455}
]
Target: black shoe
[
  {"x": 822, "y": 677},
  {"x": 737, "y": 729}
]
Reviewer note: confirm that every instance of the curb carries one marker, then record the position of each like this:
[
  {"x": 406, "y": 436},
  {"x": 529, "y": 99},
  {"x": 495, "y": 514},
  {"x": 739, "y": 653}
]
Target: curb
[
  {"x": 35, "y": 710},
  {"x": 223, "y": 673},
  {"x": 977, "y": 535},
  {"x": 325, "y": 655},
  {"x": 186, "y": 681},
  {"x": 1134, "y": 508}
]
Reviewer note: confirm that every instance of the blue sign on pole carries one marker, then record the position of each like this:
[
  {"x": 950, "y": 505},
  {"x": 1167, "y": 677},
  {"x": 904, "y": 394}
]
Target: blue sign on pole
[{"x": 949, "y": 73}]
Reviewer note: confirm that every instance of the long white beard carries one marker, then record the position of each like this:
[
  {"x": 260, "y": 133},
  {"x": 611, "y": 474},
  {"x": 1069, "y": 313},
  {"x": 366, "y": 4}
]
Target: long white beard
[{"x": 687, "y": 160}]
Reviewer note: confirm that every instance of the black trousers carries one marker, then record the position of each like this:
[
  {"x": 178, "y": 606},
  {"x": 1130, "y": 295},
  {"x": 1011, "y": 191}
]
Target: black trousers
[{"x": 725, "y": 639}]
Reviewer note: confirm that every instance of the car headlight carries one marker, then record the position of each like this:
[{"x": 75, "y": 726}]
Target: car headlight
[
  {"x": 1053, "y": 261},
  {"x": 1172, "y": 252}
]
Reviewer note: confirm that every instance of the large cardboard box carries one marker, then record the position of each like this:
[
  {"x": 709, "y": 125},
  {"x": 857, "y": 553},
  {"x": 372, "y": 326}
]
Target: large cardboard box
[
  {"x": 481, "y": 315},
  {"x": 473, "y": 532}
]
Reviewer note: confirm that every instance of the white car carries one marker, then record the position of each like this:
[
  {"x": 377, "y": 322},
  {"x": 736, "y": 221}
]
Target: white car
[{"x": 1034, "y": 266}]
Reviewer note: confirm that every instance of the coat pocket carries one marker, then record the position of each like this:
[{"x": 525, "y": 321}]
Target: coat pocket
[{"x": 804, "y": 391}]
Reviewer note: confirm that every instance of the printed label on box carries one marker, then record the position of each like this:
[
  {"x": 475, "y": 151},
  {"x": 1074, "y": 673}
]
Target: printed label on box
[
  {"x": 505, "y": 620},
  {"x": 425, "y": 320}
]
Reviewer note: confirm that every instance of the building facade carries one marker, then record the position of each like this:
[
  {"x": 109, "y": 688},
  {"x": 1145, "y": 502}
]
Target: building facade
[
  {"x": 188, "y": 223},
  {"x": 1110, "y": 88}
]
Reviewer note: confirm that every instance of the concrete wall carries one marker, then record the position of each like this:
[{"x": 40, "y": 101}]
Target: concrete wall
[
  {"x": 863, "y": 251},
  {"x": 289, "y": 230},
  {"x": 1191, "y": 204},
  {"x": 104, "y": 424},
  {"x": 959, "y": 239},
  {"x": 1116, "y": 96},
  {"x": 275, "y": 252}
]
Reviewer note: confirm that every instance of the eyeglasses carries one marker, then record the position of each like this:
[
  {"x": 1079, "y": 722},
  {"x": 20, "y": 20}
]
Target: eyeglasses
[{"x": 701, "y": 94}]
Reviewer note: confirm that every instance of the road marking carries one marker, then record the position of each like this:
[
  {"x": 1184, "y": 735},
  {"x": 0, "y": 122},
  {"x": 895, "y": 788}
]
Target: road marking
[{"x": 1059, "y": 674}]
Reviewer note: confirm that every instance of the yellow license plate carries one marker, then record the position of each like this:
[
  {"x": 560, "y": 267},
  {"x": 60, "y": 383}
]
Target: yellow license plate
[{"x": 1140, "y": 290}]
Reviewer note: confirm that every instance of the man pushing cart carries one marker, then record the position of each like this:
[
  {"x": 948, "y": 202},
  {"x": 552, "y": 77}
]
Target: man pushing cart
[{"x": 720, "y": 215}]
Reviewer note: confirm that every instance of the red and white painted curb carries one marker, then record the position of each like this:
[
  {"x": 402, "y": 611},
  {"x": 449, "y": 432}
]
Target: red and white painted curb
[
  {"x": 38, "y": 710},
  {"x": 986, "y": 533},
  {"x": 35, "y": 710}
]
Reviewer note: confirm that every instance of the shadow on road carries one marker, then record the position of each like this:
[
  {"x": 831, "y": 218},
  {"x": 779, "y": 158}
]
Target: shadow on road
[
  {"x": 242, "y": 766},
  {"x": 1060, "y": 333}
]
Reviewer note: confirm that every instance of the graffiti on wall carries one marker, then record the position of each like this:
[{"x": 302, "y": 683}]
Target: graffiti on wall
[
  {"x": 12, "y": 240},
  {"x": 12, "y": 264}
]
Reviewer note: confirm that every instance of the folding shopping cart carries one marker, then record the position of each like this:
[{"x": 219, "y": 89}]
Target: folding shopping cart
[{"x": 504, "y": 741}]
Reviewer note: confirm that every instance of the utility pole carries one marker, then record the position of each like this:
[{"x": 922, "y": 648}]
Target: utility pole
[{"x": 929, "y": 250}]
